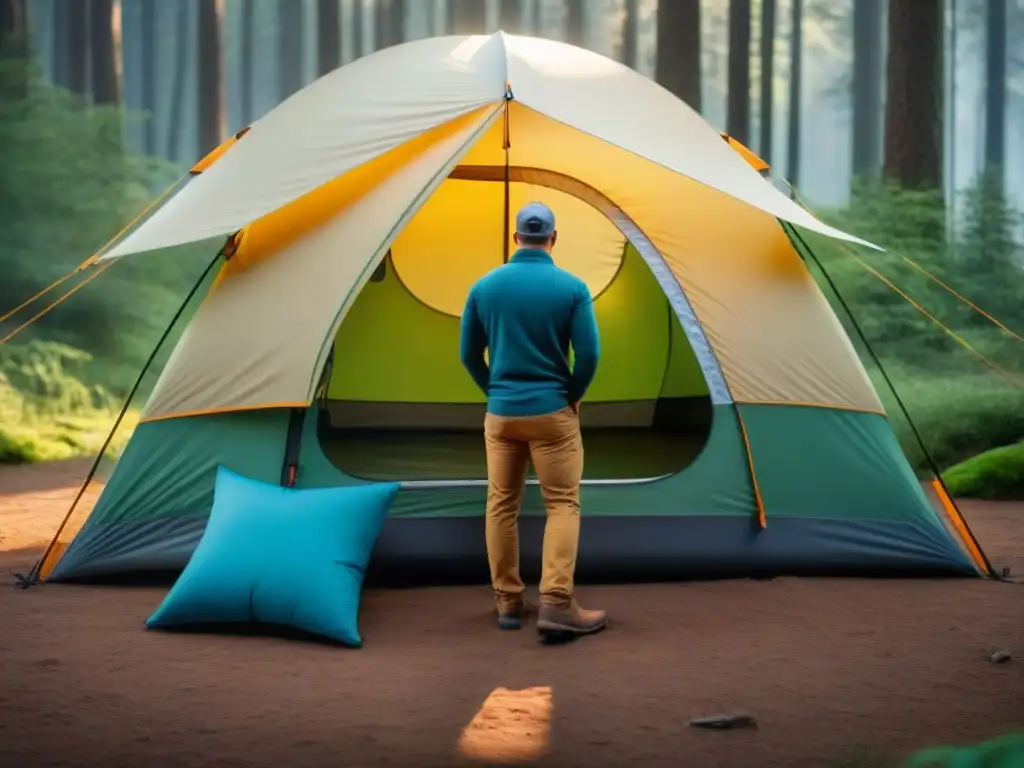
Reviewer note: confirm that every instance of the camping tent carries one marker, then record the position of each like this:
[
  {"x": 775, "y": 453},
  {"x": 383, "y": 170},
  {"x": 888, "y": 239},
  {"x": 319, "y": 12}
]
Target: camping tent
[{"x": 731, "y": 429}]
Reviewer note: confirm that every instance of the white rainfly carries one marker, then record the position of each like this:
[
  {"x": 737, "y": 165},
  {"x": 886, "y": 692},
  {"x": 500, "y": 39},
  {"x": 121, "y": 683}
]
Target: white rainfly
[{"x": 368, "y": 107}]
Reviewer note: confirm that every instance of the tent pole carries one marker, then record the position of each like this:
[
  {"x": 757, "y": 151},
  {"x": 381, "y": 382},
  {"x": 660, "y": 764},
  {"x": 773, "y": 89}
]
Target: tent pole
[
  {"x": 805, "y": 249},
  {"x": 506, "y": 143},
  {"x": 33, "y": 576}
]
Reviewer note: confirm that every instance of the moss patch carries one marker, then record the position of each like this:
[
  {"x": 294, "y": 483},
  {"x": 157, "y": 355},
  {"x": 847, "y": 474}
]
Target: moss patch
[{"x": 997, "y": 474}]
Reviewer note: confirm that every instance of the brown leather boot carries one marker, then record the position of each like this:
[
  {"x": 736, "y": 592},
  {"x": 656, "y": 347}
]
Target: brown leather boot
[
  {"x": 511, "y": 614},
  {"x": 573, "y": 620}
]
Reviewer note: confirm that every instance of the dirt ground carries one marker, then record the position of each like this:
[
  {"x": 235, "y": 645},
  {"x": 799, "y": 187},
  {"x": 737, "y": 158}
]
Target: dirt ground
[{"x": 835, "y": 672}]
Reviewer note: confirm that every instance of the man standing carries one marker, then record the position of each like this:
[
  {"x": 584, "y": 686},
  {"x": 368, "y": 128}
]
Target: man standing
[{"x": 526, "y": 314}]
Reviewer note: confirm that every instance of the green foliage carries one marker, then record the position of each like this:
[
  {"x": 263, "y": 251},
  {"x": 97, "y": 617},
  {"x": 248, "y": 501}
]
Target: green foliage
[
  {"x": 959, "y": 405},
  {"x": 68, "y": 186},
  {"x": 1004, "y": 752},
  {"x": 957, "y": 415},
  {"x": 988, "y": 250},
  {"x": 994, "y": 475},
  {"x": 47, "y": 410},
  {"x": 51, "y": 374},
  {"x": 906, "y": 222}
]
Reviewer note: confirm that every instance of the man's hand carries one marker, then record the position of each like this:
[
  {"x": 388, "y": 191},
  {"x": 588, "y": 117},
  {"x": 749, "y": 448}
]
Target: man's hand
[{"x": 575, "y": 407}]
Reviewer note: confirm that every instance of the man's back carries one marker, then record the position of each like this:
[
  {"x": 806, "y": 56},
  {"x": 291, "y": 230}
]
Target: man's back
[{"x": 528, "y": 313}]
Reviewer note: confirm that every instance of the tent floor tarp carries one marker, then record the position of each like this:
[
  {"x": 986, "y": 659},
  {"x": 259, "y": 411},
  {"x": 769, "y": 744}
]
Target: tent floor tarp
[
  {"x": 639, "y": 548},
  {"x": 443, "y": 551},
  {"x": 404, "y": 455}
]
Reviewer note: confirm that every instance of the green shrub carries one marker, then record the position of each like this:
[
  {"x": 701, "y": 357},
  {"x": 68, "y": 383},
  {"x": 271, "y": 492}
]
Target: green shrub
[
  {"x": 68, "y": 185},
  {"x": 52, "y": 377},
  {"x": 956, "y": 416},
  {"x": 997, "y": 474},
  {"x": 959, "y": 404},
  {"x": 18, "y": 449},
  {"x": 1003, "y": 752},
  {"x": 48, "y": 410}
]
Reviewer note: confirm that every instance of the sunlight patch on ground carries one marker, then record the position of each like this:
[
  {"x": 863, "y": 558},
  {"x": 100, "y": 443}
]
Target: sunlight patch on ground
[
  {"x": 511, "y": 726},
  {"x": 29, "y": 519}
]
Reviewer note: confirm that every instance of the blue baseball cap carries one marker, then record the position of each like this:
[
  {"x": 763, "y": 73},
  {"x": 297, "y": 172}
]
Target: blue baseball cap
[{"x": 535, "y": 221}]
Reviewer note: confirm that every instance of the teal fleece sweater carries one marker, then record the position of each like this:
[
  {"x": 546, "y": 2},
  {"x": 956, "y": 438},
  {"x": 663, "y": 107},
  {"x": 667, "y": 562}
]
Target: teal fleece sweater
[{"x": 527, "y": 313}]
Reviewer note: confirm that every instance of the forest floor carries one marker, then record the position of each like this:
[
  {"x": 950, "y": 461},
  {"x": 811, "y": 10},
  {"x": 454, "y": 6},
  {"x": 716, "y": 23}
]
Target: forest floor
[{"x": 836, "y": 672}]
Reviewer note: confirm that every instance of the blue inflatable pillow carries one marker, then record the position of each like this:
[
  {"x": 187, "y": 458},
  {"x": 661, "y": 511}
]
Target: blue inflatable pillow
[{"x": 274, "y": 555}]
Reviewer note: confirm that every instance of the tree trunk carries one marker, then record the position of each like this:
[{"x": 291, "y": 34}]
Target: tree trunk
[
  {"x": 381, "y": 24},
  {"x": 328, "y": 36},
  {"x": 182, "y": 33},
  {"x": 148, "y": 43},
  {"x": 13, "y": 26},
  {"x": 211, "y": 77},
  {"x": 677, "y": 58},
  {"x": 61, "y": 41},
  {"x": 995, "y": 80},
  {"x": 913, "y": 111},
  {"x": 767, "y": 79},
  {"x": 399, "y": 13},
  {"x": 432, "y": 18},
  {"x": 627, "y": 45},
  {"x": 575, "y": 23},
  {"x": 357, "y": 30},
  {"x": 796, "y": 55},
  {"x": 76, "y": 12},
  {"x": 511, "y": 16},
  {"x": 389, "y": 23},
  {"x": 868, "y": 58},
  {"x": 738, "y": 101},
  {"x": 103, "y": 53},
  {"x": 913, "y": 114},
  {"x": 14, "y": 49},
  {"x": 289, "y": 48},
  {"x": 467, "y": 17},
  {"x": 248, "y": 34}
]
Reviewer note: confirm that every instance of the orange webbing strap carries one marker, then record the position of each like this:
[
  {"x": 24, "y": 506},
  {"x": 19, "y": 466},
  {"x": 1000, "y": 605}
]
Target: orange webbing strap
[
  {"x": 88, "y": 262},
  {"x": 758, "y": 499},
  {"x": 927, "y": 274},
  {"x": 963, "y": 299},
  {"x": 1005, "y": 375},
  {"x": 961, "y": 528},
  {"x": 99, "y": 271}
]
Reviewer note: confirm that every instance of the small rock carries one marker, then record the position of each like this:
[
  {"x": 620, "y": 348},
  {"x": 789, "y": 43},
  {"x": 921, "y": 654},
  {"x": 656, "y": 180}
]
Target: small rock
[
  {"x": 1000, "y": 657},
  {"x": 724, "y": 722}
]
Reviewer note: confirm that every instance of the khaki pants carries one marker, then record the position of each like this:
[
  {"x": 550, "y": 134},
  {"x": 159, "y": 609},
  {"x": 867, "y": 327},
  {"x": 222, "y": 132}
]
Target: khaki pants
[{"x": 554, "y": 444}]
